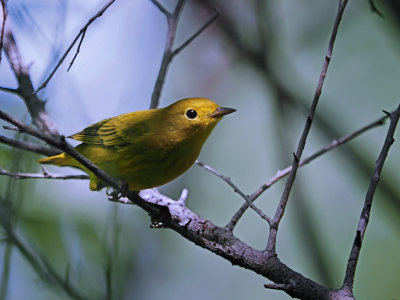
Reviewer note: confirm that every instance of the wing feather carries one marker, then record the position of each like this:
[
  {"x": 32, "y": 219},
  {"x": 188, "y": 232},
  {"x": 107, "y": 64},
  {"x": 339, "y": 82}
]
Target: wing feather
[{"x": 119, "y": 131}]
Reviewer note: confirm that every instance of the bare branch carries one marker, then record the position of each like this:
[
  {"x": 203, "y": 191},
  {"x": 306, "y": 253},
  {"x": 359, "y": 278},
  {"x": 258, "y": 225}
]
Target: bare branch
[
  {"x": 172, "y": 20},
  {"x": 236, "y": 189},
  {"x": 212, "y": 18},
  {"x": 282, "y": 173},
  {"x": 36, "y": 106},
  {"x": 45, "y": 175},
  {"x": 161, "y": 8},
  {"x": 271, "y": 246},
  {"x": 374, "y": 8},
  {"x": 175, "y": 215},
  {"x": 62, "y": 145},
  {"x": 81, "y": 32},
  {"x": 38, "y": 263},
  {"x": 10, "y": 90},
  {"x": 78, "y": 49},
  {"x": 5, "y": 14},
  {"x": 169, "y": 53},
  {"x": 365, "y": 214},
  {"x": 32, "y": 147}
]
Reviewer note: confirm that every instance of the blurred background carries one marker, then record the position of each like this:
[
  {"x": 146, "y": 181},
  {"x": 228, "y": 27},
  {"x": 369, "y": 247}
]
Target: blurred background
[{"x": 262, "y": 58}]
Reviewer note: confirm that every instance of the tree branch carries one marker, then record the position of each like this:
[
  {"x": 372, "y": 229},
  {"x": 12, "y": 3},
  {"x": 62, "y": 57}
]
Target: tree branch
[
  {"x": 236, "y": 189},
  {"x": 212, "y": 18},
  {"x": 81, "y": 33},
  {"x": 172, "y": 21},
  {"x": 282, "y": 173},
  {"x": 32, "y": 147},
  {"x": 169, "y": 53},
  {"x": 271, "y": 245},
  {"x": 365, "y": 214},
  {"x": 161, "y": 8},
  {"x": 175, "y": 215},
  {"x": 10, "y": 90},
  {"x": 374, "y": 8},
  {"x": 38, "y": 263},
  {"x": 36, "y": 106},
  {"x": 45, "y": 175},
  {"x": 5, "y": 14}
]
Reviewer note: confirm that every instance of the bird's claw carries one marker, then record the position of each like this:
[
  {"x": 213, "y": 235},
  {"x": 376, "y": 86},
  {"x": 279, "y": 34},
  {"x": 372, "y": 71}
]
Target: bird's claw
[{"x": 119, "y": 193}]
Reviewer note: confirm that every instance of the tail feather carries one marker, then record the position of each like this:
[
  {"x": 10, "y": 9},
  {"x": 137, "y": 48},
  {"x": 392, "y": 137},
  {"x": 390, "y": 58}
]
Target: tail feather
[{"x": 58, "y": 160}]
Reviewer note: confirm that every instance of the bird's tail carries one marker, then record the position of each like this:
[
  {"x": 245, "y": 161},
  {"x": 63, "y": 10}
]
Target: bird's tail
[{"x": 58, "y": 160}]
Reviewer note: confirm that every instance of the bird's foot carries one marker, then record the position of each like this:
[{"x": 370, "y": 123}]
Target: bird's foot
[{"x": 119, "y": 193}]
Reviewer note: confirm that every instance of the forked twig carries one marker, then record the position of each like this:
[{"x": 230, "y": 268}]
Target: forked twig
[
  {"x": 365, "y": 213},
  {"x": 80, "y": 34},
  {"x": 236, "y": 189},
  {"x": 282, "y": 173},
  {"x": 212, "y": 18},
  {"x": 169, "y": 53},
  {"x": 271, "y": 245}
]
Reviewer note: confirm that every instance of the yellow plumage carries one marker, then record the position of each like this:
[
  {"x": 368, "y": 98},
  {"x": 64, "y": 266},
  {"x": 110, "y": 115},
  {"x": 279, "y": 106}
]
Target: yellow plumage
[{"x": 146, "y": 148}]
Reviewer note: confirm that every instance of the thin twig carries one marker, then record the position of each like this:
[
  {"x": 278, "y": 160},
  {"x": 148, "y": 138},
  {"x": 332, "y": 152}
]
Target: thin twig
[
  {"x": 10, "y": 90},
  {"x": 41, "y": 266},
  {"x": 36, "y": 106},
  {"x": 179, "y": 218},
  {"x": 62, "y": 145},
  {"x": 172, "y": 20},
  {"x": 81, "y": 32},
  {"x": 282, "y": 173},
  {"x": 334, "y": 144},
  {"x": 3, "y": 5},
  {"x": 375, "y": 9},
  {"x": 11, "y": 128},
  {"x": 161, "y": 8},
  {"x": 236, "y": 189},
  {"x": 78, "y": 49},
  {"x": 45, "y": 175},
  {"x": 212, "y": 18},
  {"x": 32, "y": 147},
  {"x": 366, "y": 211},
  {"x": 169, "y": 53},
  {"x": 271, "y": 245}
]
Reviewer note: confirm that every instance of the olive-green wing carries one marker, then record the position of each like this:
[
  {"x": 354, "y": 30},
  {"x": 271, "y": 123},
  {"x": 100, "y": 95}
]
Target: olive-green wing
[{"x": 119, "y": 131}]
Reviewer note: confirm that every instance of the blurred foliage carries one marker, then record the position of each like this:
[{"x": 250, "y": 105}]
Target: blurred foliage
[{"x": 264, "y": 59}]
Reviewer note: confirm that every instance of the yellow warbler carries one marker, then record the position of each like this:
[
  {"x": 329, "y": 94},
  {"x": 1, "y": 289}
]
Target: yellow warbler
[{"x": 146, "y": 148}]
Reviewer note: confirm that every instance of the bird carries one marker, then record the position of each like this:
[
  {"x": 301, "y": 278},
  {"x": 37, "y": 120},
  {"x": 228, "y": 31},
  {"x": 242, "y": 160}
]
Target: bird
[{"x": 148, "y": 148}]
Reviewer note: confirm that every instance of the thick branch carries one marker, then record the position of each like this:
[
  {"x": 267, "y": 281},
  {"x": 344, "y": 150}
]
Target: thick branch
[
  {"x": 271, "y": 246},
  {"x": 175, "y": 215},
  {"x": 365, "y": 214}
]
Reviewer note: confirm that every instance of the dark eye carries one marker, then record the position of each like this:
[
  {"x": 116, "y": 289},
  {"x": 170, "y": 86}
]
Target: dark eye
[{"x": 191, "y": 113}]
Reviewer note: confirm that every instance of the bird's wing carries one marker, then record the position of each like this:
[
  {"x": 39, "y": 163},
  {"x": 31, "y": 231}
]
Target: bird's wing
[{"x": 119, "y": 131}]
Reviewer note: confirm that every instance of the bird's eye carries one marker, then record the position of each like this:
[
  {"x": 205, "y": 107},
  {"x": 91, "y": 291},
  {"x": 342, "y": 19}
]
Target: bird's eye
[{"x": 191, "y": 114}]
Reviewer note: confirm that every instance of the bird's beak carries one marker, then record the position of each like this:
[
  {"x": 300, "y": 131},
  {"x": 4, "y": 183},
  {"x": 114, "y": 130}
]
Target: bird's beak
[{"x": 221, "y": 111}]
